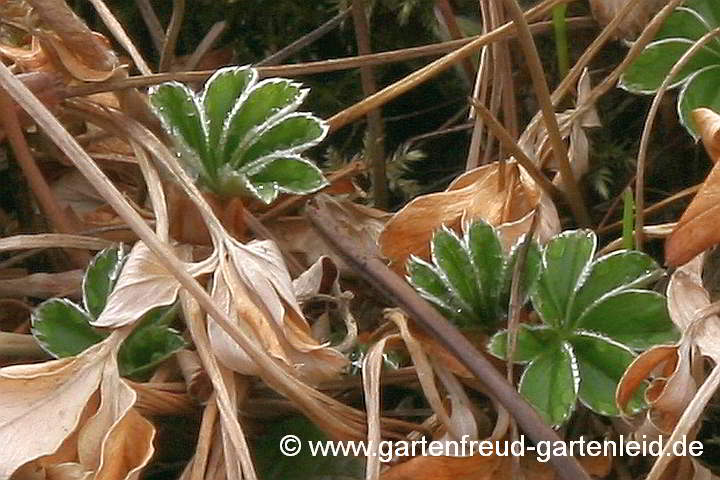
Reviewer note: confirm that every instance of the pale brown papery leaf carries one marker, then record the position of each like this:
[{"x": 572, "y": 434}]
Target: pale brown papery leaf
[
  {"x": 90, "y": 428},
  {"x": 473, "y": 195}
]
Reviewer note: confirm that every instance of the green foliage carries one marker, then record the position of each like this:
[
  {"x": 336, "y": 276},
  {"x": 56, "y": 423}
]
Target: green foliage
[
  {"x": 242, "y": 136},
  {"x": 62, "y": 328},
  {"x": 469, "y": 279},
  {"x": 700, "y": 77},
  {"x": 595, "y": 314}
]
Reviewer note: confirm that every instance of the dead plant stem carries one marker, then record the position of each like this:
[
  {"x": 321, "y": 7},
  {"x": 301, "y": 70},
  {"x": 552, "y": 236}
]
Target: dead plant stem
[
  {"x": 390, "y": 92},
  {"x": 511, "y": 145},
  {"x": 576, "y": 202},
  {"x": 302, "y": 42},
  {"x": 167, "y": 55},
  {"x": 39, "y": 186},
  {"x": 394, "y": 287},
  {"x": 322, "y": 66},
  {"x": 375, "y": 147}
]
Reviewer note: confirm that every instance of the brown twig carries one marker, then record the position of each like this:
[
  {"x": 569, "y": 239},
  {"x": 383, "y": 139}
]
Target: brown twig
[
  {"x": 446, "y": 14},
  {"x": 375, "y": 148},
  {"x": 577, "y": 204},
  {"x": 322, "y": 66},
  {"x": 173, "y": 31},
  {"x": 390, "y": 284},
  {"x": 153, "y": 24},
  {"x": 205, "y": 44},
  {"x": 507, "y": 141},
  {"x": 429, "y": 71},
  {"x": 40, "y": 188},
  {"x": 655, "y": 208},
  {"x": 305, "y": 40}
]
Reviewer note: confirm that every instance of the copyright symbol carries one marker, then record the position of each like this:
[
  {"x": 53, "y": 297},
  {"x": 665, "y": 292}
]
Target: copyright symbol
[{"x": 290, "y": 445}]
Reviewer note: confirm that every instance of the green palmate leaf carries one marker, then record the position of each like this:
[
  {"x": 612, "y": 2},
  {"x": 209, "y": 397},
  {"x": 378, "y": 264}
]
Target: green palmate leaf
[
  {"x": 636, "y": 318},
  {"x": 245, "y": 140},
  {"x": 471, "y": 277},
  {"x": 453, "y": 260},
  {"x": 618, "y": 270},
  {"x": 222, "y": 92},
  {"x": 601, "y": 364},
  {"x": 178, "y": 110},
  {"x": 488, "y": 257},
  {"x": 594, "y": 313},
  {"x": 709, "y": 10},
  {"x": 430, "y": 285},
  {"x": 684, "y": 23},
  {"x": 291, "y": 174},
  {"x": 152, "y": 341},
  {"x": 701, "y": 91},
  {"x": 698, "y": 78},
  {"x": 550, "y": 383},
  {"x": 265, "y": 101},
  {"x": 565, "y": 259},
  {"x": 100, "y": 278},
  {"x": 63, "y": 328},
  {"x": 649, "y": 70},
  {"x": 531, "y": 341},
  {"x": 296, "y": 132}
]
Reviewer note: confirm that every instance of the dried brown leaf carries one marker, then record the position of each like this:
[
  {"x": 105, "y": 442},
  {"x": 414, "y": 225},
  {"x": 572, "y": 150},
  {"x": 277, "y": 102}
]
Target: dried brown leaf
[
  {"x": 362, "y": 223},
  {"x": 286, "y": 338},
  {"x": 52, "y": 394},
  {"x": 471, "y": 196},
  {"x": 144, "y": 284},
  {"x": 89, "y": 425},
  {"x": 696, "y": 230}
]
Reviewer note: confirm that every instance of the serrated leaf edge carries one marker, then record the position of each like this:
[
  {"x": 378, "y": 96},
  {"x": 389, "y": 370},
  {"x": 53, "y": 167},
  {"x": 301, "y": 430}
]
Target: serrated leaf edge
[
  {"x": 230, "y": 157},
  {"x": 598, "y": 336}
]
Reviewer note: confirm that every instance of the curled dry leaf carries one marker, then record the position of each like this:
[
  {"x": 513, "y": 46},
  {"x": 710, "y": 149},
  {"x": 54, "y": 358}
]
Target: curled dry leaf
[
  {"x": 696, "y": 230},
  {"x": 672, "y": 390},
  {"x": 144, "y": 284},
  {"x": 362, "y": 223},
  {"x": 323, "y": 277},
  {"x": 605, "y": 11},
  {"x": 282, "y": 332},
  {"x": 536, "y": 144},
  {"x": 86, "y": 412},
  {"x": 579, "y": 151},
  {"x": 47, "y": 52},
  {"x": 61, "y": 41},
  {"x": 475, "y": 194}
]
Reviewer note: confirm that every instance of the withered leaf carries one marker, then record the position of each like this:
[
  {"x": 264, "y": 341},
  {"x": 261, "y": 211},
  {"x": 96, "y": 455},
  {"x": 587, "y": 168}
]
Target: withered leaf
[
  {"x": 475, "y": 194},
  {"x": 696, "y": 230}
]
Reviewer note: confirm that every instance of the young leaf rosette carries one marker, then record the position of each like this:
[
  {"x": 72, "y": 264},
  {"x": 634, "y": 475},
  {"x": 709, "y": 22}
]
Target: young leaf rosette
[
  {"x": 699, "y": 78},
  {"x": 241, "y": 136},
  {"x": 469, "y": 278},
  {"x": 595, "y": 315},
  {"x": 63, "y": 329}
]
